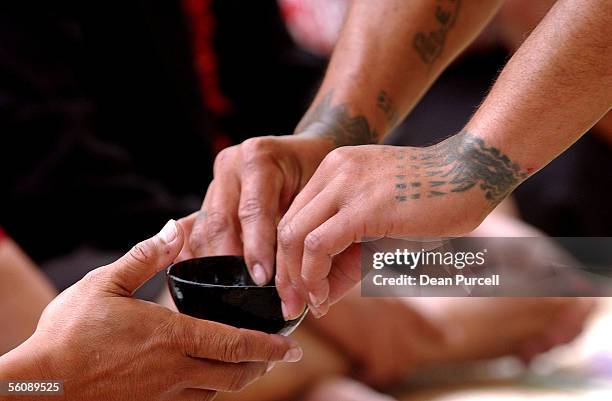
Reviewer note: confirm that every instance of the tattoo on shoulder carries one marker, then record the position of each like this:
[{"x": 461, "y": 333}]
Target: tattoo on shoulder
[
  {"x": 457, "y": 164},
  {"x": 335, "y": 122},
  {"x": 429, "y": 45}
]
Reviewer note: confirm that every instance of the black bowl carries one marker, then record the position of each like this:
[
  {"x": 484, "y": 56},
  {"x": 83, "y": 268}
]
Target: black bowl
[{"x": 219, "y": 288}]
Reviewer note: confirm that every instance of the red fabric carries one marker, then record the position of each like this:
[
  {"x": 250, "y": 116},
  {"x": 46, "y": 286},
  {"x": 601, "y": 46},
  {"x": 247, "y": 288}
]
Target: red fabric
[
  {"x": 314, "y": 24},
  {"x": 202, "y": 23}
]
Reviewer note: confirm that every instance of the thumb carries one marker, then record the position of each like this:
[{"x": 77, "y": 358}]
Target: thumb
[
  {"x": 345, "y": 272},
  {"x": 145, "y": 259}
]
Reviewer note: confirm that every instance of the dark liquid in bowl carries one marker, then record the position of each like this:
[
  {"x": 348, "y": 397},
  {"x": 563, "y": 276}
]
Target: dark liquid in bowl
[{"x": 219, "y": 288}]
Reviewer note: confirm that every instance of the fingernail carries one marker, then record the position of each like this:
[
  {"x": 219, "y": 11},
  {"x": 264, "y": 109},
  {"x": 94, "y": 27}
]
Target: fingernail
[
  {"x": 285, "y": 312},
  {"x": 270, "y": 366},
  {"x": 288, "y": 314},
  {"x": 169, "y": 232},
  {"x": 314, "y": 301},
  {"x": 259, "y": 275},
  {"x": 293, "y": 355}
]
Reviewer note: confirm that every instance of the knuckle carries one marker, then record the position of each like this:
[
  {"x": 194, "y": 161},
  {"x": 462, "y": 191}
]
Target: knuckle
[
  {"x": 223, "y": 158},
  {"x": 92, "y": 278},
  {"x": 285, "y": 236},
  {"x": 196, "y": 242},
  {"x": 216, "y": 225},
  {"x": 235, "y": 348},
  {"x": 185, "y": 334},
  {"x": 335, "y": 157},
  {"x": 173, "y": 330},
  {"x": 281, "y": 281},
  {"x": 141, "y": 253},
  {"x": 256, "y": 146},
  {"x": 256, "y": 151},
  {"x": 314, "y": 243},
  {"x": 250, "y": 210},
  {"x": 344, "y": 154}
]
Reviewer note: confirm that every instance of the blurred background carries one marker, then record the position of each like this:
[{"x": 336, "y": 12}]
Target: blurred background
[{"x": 111, "y": 114}]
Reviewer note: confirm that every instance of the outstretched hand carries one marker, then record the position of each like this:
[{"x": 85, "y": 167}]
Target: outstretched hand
[{"x": 105, "y": 344}]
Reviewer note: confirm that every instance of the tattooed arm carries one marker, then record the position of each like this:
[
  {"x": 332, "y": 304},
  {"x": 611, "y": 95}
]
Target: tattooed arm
[
  {"x": 391, "y": 49},
  {"x": 557, "y": 85},
  {"x": 387, "y": 56}
]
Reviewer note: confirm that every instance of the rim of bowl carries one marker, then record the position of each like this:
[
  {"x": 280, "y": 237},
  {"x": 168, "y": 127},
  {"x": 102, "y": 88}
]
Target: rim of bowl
[{"x": 182, "y": 280}]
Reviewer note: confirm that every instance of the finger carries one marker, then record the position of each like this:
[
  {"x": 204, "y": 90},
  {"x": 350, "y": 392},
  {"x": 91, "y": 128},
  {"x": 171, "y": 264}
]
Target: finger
[
  {"x": 327, "y": 170},
  {"x": 144, "y": 260},
  {"x": 216, "y": 341},
  {"x": 345, "y": 273},
  {"x": 194, "y": 394},
  {"x": 321, "y": 244},
  {"x": 186, "y": 224},
  {"x": 314, "y": 186},
  {"x": 258, "y": 211},
  {"x": 222, "y": 376},
  {"x": 291, "y": 242},
  {"x": 293, "y": 235},
  {"x": 292, "y": 303},
  {"x": 216, "y": 231}
]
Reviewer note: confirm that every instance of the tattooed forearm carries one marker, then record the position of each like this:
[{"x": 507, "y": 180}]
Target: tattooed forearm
[
  {"x": 429, "y": 45},
  {"x": 335, "y": 123},
  {"x": 385, "y": 103},
  {"x": 457, "y": 164}
]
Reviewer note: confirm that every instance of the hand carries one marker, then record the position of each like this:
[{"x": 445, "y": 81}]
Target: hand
[
  {"x": 253, "y": 185},
  {"x": 105, "y": 344},
  {"x": 390, "y": 334},
  {"x": 380, "y": 191}
]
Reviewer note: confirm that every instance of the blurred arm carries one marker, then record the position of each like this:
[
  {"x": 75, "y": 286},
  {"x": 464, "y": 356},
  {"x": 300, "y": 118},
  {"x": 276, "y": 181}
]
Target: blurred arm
[
  {"x": 24, "y": 293},
  {"x": 387, "y": 56}
]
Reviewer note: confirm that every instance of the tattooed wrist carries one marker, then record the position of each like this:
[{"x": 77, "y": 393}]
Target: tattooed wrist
[
  {"x": 458, "y": 164},
  {"x": 334, "y": 122}
]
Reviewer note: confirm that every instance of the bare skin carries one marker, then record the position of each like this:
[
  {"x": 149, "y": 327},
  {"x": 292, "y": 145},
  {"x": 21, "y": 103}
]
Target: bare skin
[
  {"x": 167, "y": 356},
  {"x": 361, "y": 98},
  {"x": 24, "y": 294},
  {"x": 395, "y": 337},
  {"x": 567, "y": 57},
  {"x": 256, "y": 181},
  {"x": 554, "y": 88},
  {"x": 477, "y": 330}
]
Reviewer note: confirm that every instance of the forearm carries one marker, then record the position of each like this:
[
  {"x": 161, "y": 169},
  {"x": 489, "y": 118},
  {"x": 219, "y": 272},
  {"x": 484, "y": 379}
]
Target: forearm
[
  {"x": 556, "y": 86},
  {"x": 388, "y": 55}
]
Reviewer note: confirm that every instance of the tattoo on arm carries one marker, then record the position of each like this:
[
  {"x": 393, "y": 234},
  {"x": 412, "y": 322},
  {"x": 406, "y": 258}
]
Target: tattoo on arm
[
  {"x": 457, "y": 164},
  {"x": 335, "y": 122},
  {"x": 385, "y": 103},
  {"x": 429, "y": 45}
]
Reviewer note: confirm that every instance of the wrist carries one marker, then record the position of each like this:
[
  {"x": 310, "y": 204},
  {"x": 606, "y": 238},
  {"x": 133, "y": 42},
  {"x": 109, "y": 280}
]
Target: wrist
[
  {"x": 341, "y": 121},
  {"x": 473, "y": 173},
  {"x": 308, "y": 150},
  {"x": 29, "y": 361},
  {"x": 487, "y": 166}
]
